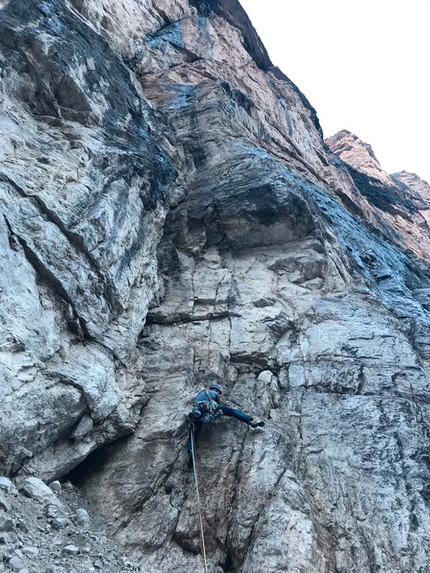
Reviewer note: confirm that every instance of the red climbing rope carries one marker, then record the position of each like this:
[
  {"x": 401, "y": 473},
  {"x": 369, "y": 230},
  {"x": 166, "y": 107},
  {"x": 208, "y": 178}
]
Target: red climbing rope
[{"x": 199, "y": 505}]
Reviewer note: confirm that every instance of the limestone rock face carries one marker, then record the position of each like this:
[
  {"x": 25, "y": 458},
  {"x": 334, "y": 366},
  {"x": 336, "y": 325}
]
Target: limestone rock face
[
  {"x": 84, "y": 190},
  {"x": 395, "y": 205},
  {"x": 417, "y": 189},
  {"x": 358, "y": 154},
  {"x": 171, "y": 216},
  {"x": 415, "y": 183}
]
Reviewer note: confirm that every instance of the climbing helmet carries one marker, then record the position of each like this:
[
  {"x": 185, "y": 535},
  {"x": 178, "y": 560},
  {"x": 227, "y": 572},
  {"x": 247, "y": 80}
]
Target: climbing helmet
[{"x": 216, "y": 387}]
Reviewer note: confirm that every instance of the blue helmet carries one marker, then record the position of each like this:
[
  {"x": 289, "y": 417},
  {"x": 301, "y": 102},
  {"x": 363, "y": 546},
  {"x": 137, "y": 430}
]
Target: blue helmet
[{"x": 216, "y": 387}]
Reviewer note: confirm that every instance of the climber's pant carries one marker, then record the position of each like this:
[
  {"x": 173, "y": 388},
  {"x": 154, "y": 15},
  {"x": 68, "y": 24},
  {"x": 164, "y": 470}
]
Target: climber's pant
[
  {"x": 235, "y": 414},
  {"x": 231, "y": 412}
]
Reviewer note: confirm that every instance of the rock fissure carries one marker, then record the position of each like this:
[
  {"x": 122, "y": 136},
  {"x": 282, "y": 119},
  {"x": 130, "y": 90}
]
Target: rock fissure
[
  {"x": 47, "y": 276},
  {"x": 234, "y": 496}
]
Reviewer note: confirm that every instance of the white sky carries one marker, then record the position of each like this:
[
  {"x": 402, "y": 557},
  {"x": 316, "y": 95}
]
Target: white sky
[{"x": 363, "y": 65}]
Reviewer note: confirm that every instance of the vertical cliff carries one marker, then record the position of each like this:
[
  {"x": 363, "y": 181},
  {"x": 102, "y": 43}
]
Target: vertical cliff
[{"x": 171, "y": 215}]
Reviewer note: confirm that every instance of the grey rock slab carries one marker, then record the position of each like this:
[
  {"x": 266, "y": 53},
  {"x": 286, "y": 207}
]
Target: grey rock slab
[
  {"x": 30, "y": 551},
  {"x": 5, "y": 483},
  {"x": 82, "y": 516},
  {"x": 71, "y": 549},
  {"x": 92, "y": 370},
  {"x": 37, "y": 415},
  {"x": 7, "y": 538},
  {"x": 16, "y": 564},
  {"x": 56, "y": 487},
  {"x": 59, "y": 523},
  {"x": 38, "y": 490},
  {"x": 22, "y": 526},
  {"x": 58, "y": 459},
  {"x": 4, "y": 502},
  {"x": 52, "y": 510},
  {"x": 6, "y": 523}
]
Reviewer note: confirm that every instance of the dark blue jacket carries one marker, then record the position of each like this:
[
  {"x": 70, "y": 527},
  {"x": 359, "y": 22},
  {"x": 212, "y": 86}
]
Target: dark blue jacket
[{"x": 202, "y": 396}]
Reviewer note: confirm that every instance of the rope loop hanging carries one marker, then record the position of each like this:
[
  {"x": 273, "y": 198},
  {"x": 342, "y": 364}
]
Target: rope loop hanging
[{"x": 199, "y": 505}]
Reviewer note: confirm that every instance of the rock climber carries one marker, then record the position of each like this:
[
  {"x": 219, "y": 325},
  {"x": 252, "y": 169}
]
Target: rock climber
[{"x": 207, "y": 407}]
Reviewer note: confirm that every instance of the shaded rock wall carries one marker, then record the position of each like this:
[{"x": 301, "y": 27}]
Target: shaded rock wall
[{"x": 171, "y": 216}]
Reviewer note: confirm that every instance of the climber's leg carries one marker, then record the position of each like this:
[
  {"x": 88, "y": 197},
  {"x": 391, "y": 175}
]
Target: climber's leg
[{"x": 233, "y": 413}]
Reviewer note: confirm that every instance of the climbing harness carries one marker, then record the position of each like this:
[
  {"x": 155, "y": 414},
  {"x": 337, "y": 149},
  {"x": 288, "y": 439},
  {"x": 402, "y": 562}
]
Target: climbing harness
[
  {"x": 199, "y": 505},
  {"x": 207, "y": 409}
]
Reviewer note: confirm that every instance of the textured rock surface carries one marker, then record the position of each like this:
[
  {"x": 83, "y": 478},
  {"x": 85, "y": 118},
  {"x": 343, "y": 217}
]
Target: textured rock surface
[
  {"x": 84, "y": 189},
  {"x": 52, "y": 538},
  {"x": 397, "y": 206},
  {"x": 171, "y": 215}
]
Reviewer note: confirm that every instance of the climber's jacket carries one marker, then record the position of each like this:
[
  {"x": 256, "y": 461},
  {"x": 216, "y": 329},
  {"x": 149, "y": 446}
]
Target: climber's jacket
[{"x": 207, "y": 405}]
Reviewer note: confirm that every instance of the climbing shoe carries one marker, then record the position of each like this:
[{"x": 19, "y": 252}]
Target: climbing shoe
[{"x": 257, "y": 424}]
